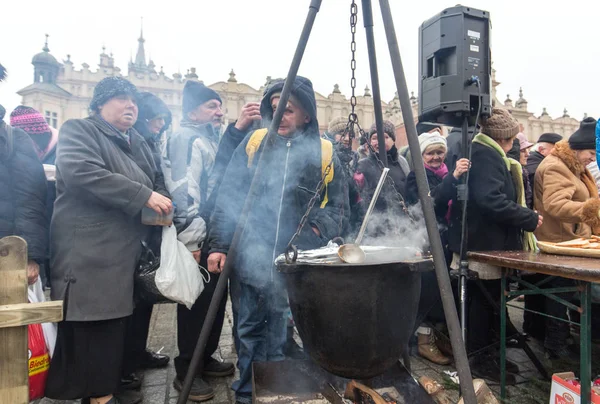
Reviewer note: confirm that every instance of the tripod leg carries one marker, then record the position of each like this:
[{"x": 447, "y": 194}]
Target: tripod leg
[
  {"x": 368, "y": 22},
  {"x": 458, "y": 347}
]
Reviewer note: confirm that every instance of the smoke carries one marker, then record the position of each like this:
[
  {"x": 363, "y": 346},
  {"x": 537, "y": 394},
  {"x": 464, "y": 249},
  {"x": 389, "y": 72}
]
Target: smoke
[{"x": 397, "y": 229}]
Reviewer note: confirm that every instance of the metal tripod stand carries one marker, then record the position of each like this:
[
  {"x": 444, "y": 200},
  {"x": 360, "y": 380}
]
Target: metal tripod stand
[{"x": 443, "y": 278}]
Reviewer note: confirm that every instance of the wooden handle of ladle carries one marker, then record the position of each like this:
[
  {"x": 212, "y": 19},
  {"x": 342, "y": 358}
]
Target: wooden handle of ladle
[{"x": 363, "y": 227}]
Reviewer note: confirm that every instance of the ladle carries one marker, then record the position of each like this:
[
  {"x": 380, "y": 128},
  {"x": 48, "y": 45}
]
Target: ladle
[{"x": 353, "y": 253}]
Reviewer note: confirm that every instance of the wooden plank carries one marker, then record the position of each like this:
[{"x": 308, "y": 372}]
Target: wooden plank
[
  {"x": 15, "y": 315},
  {"x": 14, "y": 395},
  {"x": 14, "y": 377}
]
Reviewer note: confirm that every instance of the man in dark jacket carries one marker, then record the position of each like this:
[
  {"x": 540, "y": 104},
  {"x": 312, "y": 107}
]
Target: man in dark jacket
[
  {"x": 338, "y": 133},
  {"x": 544, "y": 147},
  {"x": 23, "y": 196},
  {"x": 389, "y": 205},
  {"x": 188, "y": 163},
  {"x": 291, "y": 173}
]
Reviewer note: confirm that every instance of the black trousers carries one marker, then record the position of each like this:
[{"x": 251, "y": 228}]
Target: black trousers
[
  {"x": 430, "y": 309},
  {"x": 138, "y": 327},
  {"x": 484, "y": 321},
  {"x": 190, "y": 322},
  {"x": 557, "y": 331},
  {"x": 535, "y": 324}
]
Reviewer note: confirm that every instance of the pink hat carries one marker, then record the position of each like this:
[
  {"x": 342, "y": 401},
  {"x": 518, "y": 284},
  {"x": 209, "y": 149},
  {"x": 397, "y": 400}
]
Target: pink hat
[{"x": 523, "y": 142}]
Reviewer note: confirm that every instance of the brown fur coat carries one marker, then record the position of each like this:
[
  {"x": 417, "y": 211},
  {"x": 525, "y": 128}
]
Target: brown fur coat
[{"x": 566, "y": 196}]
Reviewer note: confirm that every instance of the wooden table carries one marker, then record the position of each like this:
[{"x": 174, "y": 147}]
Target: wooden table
[{"x": 582, "y": 270}]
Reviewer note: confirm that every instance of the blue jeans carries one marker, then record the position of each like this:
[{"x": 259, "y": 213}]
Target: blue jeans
[{"x": 262, "y": 321}]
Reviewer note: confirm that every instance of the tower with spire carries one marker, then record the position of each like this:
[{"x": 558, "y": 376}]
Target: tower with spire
[
  {"x": 139, "y": 65},
  {"x": 45, "y": 66}
]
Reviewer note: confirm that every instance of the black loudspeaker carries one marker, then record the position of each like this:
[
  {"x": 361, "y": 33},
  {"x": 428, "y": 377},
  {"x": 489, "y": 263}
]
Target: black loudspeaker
[{"x": 454, "y": 49}]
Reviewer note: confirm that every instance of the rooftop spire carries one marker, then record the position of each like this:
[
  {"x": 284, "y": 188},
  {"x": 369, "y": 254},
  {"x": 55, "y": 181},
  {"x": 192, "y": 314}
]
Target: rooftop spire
[
  {"x": 45, "y": 48},
  {"x": 141, "y": 29},
  {"x": 140, "y": 56}
]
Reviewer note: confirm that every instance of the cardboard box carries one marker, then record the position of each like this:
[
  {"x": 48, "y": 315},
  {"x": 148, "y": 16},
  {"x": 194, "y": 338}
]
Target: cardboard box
[{"x": 563, "y": 392}]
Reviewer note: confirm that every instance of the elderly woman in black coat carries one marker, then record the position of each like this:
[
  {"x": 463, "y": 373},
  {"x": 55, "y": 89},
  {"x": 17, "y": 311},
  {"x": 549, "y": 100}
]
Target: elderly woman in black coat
[
  {"x": 497, "y": 219},
  {"x": 105, "y": 175}
]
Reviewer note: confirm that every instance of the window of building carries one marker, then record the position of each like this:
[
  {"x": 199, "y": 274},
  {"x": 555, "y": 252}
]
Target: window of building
[{"x": 51, "y": 118}]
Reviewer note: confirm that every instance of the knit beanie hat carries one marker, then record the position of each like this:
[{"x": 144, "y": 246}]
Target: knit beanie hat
[
  {"x": 111, "y": 87},
  {"x": 388, "y": 127},
  {"x": 584, "y": 138},
  {"x": 195, "y": 94},
  {"x": 430, "y": 139},
  {"x": 500, "y": 125},
  {"x": 29, "y": 120}
]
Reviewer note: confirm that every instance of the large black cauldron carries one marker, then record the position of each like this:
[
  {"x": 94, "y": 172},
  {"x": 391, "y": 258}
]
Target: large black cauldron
[{"x": 355, "y": 320}]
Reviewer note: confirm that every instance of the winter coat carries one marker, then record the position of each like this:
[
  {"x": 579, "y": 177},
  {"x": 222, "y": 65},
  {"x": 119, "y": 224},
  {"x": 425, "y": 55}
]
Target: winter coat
[
  {"x": 533, "y": 162},
  {"x": 441, "y": 191},
  {"x": 371, "y": 170},
  {"x": 494, "y": 218},
  {"x": 231, "y": 139},
  {"x": 290, "y": 174},
  {"x": 528, "y": 189},
  {"x": 188, "y": 164},
  {"x": 349, "y": 162},
  {"x": 102, "y": 182},
  {"x": 454, "y": 142},
  {"x": 23, "y": 195},
  {"x": 598, "y": 141},
  {"x": 150, "y": 106},
  {"x": 566, "y": 196}
]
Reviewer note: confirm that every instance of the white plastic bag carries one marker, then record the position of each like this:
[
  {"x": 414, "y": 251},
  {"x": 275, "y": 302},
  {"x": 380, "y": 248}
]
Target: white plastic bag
[
  {"x": 178, "y": 278},
  {"x": 36, "y": 295}
]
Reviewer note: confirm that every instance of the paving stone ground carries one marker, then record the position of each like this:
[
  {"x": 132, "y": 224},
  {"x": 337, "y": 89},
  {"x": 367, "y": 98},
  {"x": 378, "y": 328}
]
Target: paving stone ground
[{"x": 157, "y": 386}]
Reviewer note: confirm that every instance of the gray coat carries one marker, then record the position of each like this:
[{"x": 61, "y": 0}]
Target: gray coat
[{"x": 102, "y": 184}]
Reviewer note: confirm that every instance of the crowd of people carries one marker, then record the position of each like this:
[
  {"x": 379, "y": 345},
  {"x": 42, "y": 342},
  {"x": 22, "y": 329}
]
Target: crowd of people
[{"x": 76, "y": 196}]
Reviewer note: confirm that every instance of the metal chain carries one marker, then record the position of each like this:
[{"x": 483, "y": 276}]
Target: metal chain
[
  {"x": 352, "y": 121},
  {"x": 311, "y": 205},
  {"x": 353, "y": 21}
]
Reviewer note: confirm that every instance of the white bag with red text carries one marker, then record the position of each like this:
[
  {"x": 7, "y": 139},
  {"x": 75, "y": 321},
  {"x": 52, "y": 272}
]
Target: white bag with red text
[
  {"x": 178, "y": 278},
  {"x": 36, "y": 295}
]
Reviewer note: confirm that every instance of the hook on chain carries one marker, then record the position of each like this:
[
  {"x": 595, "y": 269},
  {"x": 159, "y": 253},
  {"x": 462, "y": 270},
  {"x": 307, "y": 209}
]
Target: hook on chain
[{"x": 291, "y": 254}]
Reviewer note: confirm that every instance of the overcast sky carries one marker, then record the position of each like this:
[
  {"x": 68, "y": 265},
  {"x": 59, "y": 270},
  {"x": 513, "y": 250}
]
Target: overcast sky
[{"x": 551, "y": 51}]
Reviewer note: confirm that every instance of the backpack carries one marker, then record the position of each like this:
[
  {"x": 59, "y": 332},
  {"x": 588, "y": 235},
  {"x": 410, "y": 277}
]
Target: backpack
[{"x": 326, "y": 156}]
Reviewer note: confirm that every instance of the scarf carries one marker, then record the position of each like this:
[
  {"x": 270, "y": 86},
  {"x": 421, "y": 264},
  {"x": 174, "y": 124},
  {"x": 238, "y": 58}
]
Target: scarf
[
  {"x": 123, "y": 135},
  {"x": 441, "y": 172},
  {"x": 516, "y": 172}
]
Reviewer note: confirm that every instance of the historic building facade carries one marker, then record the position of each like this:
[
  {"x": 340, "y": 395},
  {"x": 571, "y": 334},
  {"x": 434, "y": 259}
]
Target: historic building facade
[{"x": 62, "y": 92}]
